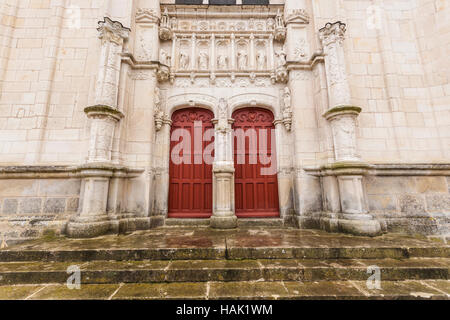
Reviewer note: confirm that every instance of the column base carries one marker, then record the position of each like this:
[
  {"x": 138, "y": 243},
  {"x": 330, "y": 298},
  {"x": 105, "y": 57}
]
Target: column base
[
  {"x": 223, "y": 222},
  {"x": 359, "y": 225},
  {"x": 88, "y": 227}
]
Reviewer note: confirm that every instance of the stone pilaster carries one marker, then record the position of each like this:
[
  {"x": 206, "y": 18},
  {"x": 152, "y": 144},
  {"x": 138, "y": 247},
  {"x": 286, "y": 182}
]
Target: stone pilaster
[
  {"x": 342, "y": 117},
  {"x": 223, "y": 172},
  {"x": 93, "y": 220}
]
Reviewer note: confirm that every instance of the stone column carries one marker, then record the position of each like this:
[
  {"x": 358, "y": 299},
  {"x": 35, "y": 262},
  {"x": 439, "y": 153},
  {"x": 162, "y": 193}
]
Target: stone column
[
  {"x": 223, "y": 172},
  {"x": 342, "y": 117},
  {"x": 93, "y": 219}
]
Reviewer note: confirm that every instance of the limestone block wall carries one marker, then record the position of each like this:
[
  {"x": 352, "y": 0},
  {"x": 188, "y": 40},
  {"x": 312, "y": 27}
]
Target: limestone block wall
[
  {"x": 416, "y": 204},
  {"x": 30, "y": 206},
  {"x": 396, "y": 59}
]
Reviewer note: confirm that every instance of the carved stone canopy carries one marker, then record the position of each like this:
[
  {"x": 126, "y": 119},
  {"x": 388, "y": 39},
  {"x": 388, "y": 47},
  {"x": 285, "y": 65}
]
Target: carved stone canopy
[
  {"x": 144, "y": 15},
  {"x": 332, "y": 32}
]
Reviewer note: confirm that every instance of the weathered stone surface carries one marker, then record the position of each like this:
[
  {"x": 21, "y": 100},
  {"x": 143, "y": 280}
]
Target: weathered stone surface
[
  {"x": 412, "y": 204},
  {"x": 431, "y": 184},
  {"x": 10, "y": 206},
  {"x": 438, "y": 202},
  {"x": 253, "y": 290},
  {"x": 382, "y": 203},
  {"x": 72, "y": 205},
  {"x": 18, "y": 188},
  {"x": 17, "y": 292},
  {"x": 162, "y": 291},
  {"x": 59, "y": 187},
  {"x": 86, "y": 292},
  {"x": 390, "y": 185},
  {"x": 55, "y": 205},
  {"x": 323, "y": 290},
  {"x": 30, "y": 205}
]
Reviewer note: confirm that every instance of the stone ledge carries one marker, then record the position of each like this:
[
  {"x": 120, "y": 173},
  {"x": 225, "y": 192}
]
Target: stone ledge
[
  {"x": 47, "y": 172},
  {"x": 388, "y": 169}
]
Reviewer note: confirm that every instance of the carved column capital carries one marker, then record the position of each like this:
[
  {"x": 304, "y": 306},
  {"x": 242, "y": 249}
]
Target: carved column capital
[
  {"x": 112, "y": 31},
  {"x": 332, "y": 33}
]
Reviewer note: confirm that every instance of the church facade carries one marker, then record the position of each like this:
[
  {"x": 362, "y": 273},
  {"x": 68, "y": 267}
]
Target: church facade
[{"x": 118, "y": 116}]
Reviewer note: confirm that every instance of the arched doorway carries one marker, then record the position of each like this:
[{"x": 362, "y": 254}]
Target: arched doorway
[
  {"x": 190, "y": 178},
  {"x": 256, "y": 186}
]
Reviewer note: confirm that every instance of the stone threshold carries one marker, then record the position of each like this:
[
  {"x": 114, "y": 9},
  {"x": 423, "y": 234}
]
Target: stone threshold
[{"x": 253, "y": 222}]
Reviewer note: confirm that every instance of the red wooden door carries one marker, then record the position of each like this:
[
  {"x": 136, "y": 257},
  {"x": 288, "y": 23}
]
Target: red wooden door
[
  {"x": 190, "y": 182},
  {"x": 256, "y": 191}
]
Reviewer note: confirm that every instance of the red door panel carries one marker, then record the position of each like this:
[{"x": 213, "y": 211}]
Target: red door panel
[
  {"x": 190, "y": 186},
  {"x": 256, "y": 192}
]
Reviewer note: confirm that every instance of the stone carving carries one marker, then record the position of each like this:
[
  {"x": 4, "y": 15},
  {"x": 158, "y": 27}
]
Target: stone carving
[
  {"x": 261, "y": 61},
  {"x": 112, "y": 35},
  {"x": 332, "y": 37},
  {"x": 112, "y": 31},
  {"x": 165, "y": 28},
  {"x": 270, "y": 24},
  {"x": 281, "y": 73},
  {"x": 222, "y": 62},
  {"x": 297, "y": 16},
  {"x": 281, "y": 59},
  {"x": 242, "y": 60},
  {"x": 287, "y": 110},
  {"x": 184, "y": 61},
  {"x": 163, "y": 73},
  {"x": 145, "y": 51},
  {"x": 139, "y": 75},
  {"x": 332, "y": 32},
  {"x": 164, "y": 58},
  {"x": 280, "y": 29},
  {"x": 300, "y": 50},
  {"x": 344, "y": 138},
  {"x": 203, "y": 60},
  {"x": 223, "y": 109},
  {"x": 223, "y": 43},
  {"x": 145, "y": 15},
  {"x": 159, "y": 113}
]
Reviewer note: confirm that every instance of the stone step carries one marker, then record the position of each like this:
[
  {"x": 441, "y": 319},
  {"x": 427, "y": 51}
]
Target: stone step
[
  {"x": 217, "y": 253},
  {"x": 109, "y": 272},
  {"x": 246, "y": 290}
]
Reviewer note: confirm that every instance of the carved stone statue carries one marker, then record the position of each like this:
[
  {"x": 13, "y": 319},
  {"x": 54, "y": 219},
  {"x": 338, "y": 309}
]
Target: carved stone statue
[
  {"x": 223, "y": 109},
  {"x": 184, "y": 61},
  {"x": 242, "y": 60},
  {"x": 203, "y": 59},
  {"x": 164, "y": 58},
  {"x": 281, "y": 59},
  {"x": 222, "y": 62},
  {"x": 261, "y": 60}
]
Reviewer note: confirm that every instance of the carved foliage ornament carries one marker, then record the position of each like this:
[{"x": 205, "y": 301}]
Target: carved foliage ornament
[
  {"x": 332, "y": 32},
  {"x": 112, "y": 31}
]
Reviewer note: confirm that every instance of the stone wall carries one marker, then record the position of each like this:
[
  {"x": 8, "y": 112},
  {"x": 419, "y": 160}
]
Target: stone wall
[
  {"x": 414, "y": 204},
  {"x": 30, "y": 206}
]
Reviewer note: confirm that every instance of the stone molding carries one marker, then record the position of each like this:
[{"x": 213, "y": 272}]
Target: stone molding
[
  {"x": 66, "y": 172},
  {"x": 390, "y": 169}
]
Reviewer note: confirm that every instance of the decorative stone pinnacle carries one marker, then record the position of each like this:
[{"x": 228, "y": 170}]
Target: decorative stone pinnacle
[{"x": 332, "y": 32}]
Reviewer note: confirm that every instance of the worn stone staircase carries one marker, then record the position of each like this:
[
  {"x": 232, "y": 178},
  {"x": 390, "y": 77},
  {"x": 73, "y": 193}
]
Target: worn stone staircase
[{"x": 251, "y": 263}]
